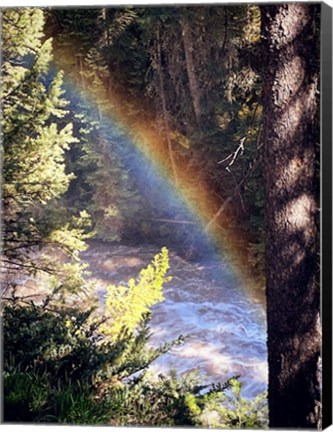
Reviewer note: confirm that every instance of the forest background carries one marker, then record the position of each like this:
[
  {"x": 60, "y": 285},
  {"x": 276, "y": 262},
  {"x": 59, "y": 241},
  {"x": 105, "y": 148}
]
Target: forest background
[{"x": 193, "y": 78}]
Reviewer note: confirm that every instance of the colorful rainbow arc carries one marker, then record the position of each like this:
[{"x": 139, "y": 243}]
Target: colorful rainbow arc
[{"x": 190, "y": 186}]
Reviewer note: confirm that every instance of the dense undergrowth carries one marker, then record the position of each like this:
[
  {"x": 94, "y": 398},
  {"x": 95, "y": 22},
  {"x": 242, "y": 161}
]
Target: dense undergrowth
[
  {"x": 56, "y": 373},
  {"x": 65, "y": 365}
]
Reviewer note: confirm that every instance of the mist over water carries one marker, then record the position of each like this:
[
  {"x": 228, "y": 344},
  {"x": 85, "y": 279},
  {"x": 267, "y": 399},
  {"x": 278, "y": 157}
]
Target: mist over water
[
  {"x": 226, "y": 328},
  {"x": 205, "y": 301}
]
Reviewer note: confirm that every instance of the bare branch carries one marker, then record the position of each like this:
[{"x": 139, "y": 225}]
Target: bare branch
[
  {"x": 237, "y": 190},
  {"x": 240, "y": 149}
]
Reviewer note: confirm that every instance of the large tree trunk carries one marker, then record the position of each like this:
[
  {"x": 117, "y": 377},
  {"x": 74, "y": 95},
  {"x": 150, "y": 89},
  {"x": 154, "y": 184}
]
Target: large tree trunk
[{"x": 290, "y": 136}]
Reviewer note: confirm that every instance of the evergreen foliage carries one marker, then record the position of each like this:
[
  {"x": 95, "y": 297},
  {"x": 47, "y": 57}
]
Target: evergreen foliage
[
  {"x": 103, "y": 185},
  {"x": 59, "y": 357},
  {"x": 206, "y": 106},
  {"x": 34, "y": 145},
  {"x": 58, "y": 368},
  {"x": 67, "y": 170}
]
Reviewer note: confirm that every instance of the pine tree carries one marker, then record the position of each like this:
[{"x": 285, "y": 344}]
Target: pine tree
[
  {"x": 99, "y": 158},
  {"x": 35, "y": 140}
]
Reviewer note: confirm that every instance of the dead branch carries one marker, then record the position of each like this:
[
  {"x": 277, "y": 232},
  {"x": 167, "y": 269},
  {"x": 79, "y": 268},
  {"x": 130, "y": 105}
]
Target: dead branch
[{"x": 237, "y": 189}]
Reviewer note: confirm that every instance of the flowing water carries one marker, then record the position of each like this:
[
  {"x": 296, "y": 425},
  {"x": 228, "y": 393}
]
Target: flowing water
[{"x": 226, "y": 328}]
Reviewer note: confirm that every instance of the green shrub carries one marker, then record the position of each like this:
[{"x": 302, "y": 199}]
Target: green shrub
[
  {"x": 228, "y": 409},
  {"x": 26, "y": 395},
  {"x": 31, "y": 397},
  {"x": 61, "y": 366},
  {"x": 72, "y": 374},
  {"x": 131, "y": 302},
  {"x": 56, "y": 361},
  {"x": 76, "y": 404}
]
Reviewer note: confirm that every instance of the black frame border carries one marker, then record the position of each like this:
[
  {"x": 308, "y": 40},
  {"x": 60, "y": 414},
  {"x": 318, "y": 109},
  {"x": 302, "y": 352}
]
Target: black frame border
[{"x": 326, "y": 211}]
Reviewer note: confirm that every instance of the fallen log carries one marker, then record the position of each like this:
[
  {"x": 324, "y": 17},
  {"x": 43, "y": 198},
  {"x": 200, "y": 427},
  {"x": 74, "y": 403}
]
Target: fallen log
[{"x": 175, "y": 221}]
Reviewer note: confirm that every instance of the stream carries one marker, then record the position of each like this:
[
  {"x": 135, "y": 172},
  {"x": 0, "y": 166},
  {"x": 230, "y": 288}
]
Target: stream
[{"x": 226, "y": 328}]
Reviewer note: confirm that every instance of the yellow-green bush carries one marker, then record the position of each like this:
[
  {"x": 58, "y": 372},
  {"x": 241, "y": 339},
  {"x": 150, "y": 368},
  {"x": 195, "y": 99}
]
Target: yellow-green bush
[{"x": 127, "y": 304}]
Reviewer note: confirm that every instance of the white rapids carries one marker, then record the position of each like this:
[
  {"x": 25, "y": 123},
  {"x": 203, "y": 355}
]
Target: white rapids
[{"x": 226, "y": 329}]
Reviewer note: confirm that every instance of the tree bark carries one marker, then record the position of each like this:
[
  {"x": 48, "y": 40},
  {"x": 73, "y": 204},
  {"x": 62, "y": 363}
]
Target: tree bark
[
  {"x": 81, "y": 71},
  {"x": 193, "y": 83},
  {"x": 290, "y": 138},
  {"x": 164, "y": 109},
  {"x": 106, "y": 25}
]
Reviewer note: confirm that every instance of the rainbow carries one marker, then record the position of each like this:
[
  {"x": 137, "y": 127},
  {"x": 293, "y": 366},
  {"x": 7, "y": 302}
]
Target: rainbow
[{"x": 182, "y": 180}]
